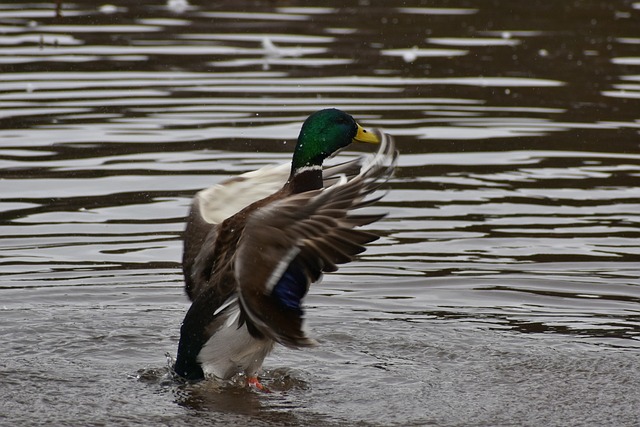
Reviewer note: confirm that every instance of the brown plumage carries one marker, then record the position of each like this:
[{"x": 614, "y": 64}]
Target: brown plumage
[{"x": 248, "y": 269}]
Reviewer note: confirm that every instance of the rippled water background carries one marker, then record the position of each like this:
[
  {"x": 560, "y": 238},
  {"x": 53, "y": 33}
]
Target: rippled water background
[{"x": 505, "y": 290}]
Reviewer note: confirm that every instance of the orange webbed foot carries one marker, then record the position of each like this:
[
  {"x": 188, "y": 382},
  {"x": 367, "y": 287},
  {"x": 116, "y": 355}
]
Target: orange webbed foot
[{"x": 254, "y": 382}]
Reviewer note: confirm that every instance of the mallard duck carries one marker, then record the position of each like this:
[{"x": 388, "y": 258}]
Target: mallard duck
[{"x": 255, "y": 243}]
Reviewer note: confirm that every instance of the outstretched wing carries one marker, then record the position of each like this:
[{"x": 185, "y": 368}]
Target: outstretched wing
[
  {"x": 213, "y": 205},
  {"x": 288, "y": 244}
]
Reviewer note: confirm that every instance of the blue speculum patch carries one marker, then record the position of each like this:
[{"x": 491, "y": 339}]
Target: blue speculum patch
[{"x": 291, "y": 287}]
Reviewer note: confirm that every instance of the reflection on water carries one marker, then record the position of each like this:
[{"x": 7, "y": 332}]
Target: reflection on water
[{"x": 508, "y": 265}]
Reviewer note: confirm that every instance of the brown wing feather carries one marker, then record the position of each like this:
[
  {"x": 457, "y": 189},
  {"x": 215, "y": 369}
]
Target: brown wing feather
[
  {"x": 199, "y": 237},
  {"x": 313, "y": 230},
  {"x": 198, "y": 257}
]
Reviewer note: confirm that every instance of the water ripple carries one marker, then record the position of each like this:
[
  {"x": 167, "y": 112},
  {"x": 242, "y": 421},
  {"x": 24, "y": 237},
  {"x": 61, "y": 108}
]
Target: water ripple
[{"x": 508, "y": 263}]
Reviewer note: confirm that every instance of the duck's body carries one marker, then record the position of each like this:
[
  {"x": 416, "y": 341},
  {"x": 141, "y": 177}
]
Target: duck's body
[{"x": 255, "y": 243}]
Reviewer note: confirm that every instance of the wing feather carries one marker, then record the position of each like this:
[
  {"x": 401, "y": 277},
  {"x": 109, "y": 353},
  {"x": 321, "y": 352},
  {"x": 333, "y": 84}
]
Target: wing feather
[
  {"x": 213, "y": 205},
  {"x": 321, "y": 225}
]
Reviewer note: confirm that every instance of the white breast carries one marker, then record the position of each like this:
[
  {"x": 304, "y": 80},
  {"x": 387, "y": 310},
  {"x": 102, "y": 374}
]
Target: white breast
[{"x": 232, "y": 350}]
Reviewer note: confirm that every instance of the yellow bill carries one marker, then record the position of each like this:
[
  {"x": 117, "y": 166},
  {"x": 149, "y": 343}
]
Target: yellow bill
[{"x": 364, "y": 135}]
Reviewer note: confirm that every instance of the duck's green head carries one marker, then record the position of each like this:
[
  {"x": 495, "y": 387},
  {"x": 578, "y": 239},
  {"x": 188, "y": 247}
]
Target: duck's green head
[{"x": 325, "y": 132}]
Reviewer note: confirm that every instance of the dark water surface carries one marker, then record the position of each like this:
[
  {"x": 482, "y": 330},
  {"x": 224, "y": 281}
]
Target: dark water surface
[{"x": 505, "y": 290}]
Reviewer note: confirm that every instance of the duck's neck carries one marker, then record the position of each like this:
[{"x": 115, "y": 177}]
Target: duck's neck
[{"x": 306, "y": 178}]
